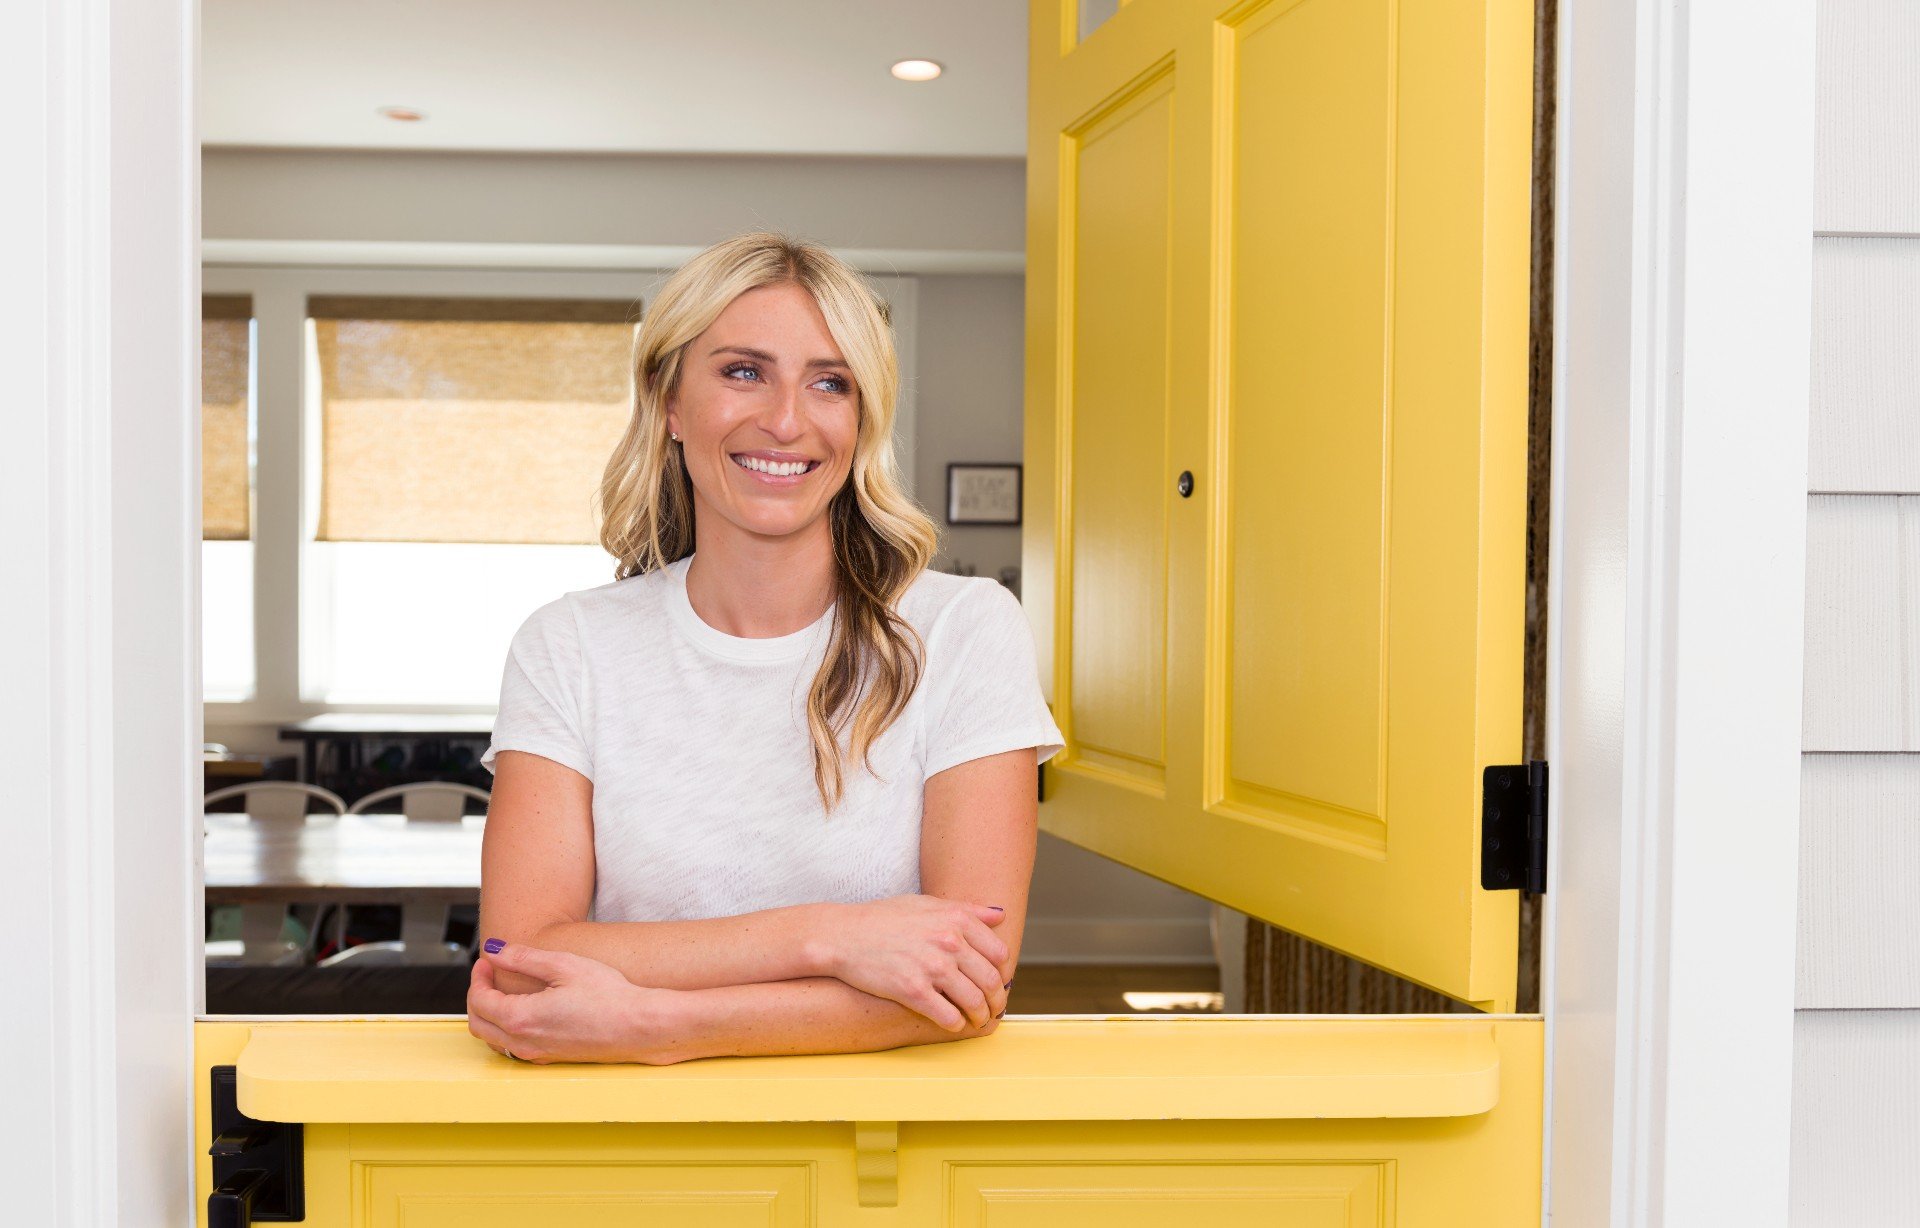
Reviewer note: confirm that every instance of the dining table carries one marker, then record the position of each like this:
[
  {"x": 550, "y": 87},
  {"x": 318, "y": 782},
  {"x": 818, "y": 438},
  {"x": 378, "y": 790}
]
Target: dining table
[
  {"x": 425, "y": 867},
  {"x": 349, "y": 858}
]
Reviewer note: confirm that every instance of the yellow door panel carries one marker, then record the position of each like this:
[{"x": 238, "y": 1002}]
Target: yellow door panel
[
  {"x": 1153, "y": 1195},
  {"x": 583, "y": 1195},
  {"x": 1300, "y": 615},
  {"x": 1311, "y": 297},
  {"x": 1117, "y": 379}
]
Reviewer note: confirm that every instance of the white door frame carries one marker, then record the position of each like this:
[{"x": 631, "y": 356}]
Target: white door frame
[
  {"x": 1682, "y": 327},
  {"x": 1682, "y": 320},
  {"x": 99, "y": 608}
]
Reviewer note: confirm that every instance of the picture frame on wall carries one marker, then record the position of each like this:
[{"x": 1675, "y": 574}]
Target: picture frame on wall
[{"x": 983, "y": 493}]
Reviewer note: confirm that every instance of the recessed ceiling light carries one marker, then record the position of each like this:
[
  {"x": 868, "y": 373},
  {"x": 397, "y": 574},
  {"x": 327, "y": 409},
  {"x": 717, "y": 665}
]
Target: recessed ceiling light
[
  {"x": 916, "y": 70},
  {"x": 406, "y": 115}
]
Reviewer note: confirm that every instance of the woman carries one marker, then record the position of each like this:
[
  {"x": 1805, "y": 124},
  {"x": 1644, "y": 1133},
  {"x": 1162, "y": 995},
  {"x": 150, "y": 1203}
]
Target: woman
[{"x": 772, "y": 790}]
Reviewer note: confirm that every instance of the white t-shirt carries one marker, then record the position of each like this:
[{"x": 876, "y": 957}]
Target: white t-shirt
[{"x": 696, "y": 742}]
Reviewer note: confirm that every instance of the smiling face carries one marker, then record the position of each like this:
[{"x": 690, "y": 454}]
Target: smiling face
[{"x": 767, "y": 414}]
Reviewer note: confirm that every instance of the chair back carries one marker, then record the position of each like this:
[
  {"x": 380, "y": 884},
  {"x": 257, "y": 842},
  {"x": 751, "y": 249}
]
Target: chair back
[
  {"x": 425, "y": 801},
  {"x": 278, "y": 800}
]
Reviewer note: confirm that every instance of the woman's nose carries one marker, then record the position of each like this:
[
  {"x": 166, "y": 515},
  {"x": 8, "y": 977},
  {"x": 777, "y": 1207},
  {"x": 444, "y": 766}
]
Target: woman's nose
[{"x": 781, "y": 416}]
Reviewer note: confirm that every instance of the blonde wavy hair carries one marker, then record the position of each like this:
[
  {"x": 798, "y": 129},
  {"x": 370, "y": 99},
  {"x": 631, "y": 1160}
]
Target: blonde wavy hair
[{"x": 881, "y": 538}]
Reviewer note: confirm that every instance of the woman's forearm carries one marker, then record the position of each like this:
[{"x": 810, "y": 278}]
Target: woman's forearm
[
  {"x": 775, "y": 944},
  {"x": 808, "y": 1015}
]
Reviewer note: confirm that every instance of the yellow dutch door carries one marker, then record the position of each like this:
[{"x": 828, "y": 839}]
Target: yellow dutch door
[
  {"x": 1277, "y": 314},
  {"x": 1276, "y": 413}
]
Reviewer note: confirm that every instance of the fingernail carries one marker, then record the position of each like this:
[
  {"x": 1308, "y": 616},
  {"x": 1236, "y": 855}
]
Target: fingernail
[
  {"x": 1001, "y": 1015},
  {"x": 1008, "y": 985},
  {"x": 494, "y": 945},
  {"x": 996, "y": 908}
]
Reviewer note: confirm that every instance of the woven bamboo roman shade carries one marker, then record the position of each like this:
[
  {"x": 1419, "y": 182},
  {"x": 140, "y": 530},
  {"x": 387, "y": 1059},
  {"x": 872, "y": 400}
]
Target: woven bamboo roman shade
[
  {"x": 225, "y": 477},
  {"x": 468, "y": 420}
]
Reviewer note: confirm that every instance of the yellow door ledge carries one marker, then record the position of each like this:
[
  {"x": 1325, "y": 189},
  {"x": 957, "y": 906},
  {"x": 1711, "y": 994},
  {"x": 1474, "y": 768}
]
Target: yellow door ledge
[{"x": 1114, "y": 1069}]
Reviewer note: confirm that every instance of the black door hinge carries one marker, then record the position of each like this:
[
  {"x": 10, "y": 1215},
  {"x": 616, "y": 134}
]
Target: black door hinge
[
  {"x": 1513, "y": 827},
  {"x": 258, "y": 1166}
]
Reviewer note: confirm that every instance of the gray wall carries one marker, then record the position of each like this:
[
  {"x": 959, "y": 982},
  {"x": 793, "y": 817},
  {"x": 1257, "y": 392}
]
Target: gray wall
[
  {"x": 956, "y": 204},
  {"x": 969, "y": 405},
  {"x": 1856, "y": 1111},
  {"x": 969, "y": 341}
]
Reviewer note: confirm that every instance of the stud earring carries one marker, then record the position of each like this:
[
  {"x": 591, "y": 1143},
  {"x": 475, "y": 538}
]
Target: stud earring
[{"x": 672, "y": 436}]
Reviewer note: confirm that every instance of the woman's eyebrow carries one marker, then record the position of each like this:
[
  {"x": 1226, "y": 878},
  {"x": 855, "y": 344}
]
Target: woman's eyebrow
[{"x": 763, "y": 356}]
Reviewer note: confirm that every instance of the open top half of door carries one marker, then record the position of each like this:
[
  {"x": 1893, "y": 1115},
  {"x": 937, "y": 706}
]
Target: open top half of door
[{"x": 1276, "y": 448}]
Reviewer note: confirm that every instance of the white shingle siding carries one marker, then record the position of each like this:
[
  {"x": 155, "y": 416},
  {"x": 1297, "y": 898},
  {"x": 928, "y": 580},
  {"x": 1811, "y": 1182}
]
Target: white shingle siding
[
  {"x": 1867, "y": 120},
  {"x": 1863, "y": 624},
  {"x": 1865, "y": 434},
  {"x": 1859, "y": 882},
  {"x": 1856, "y": 1114},
  {"x": 1856, "y": 1107}
]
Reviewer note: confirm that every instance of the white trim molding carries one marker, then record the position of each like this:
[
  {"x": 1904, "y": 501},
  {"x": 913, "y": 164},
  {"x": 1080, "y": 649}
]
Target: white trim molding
[
  {"x": 1682, "y": 321},
  {"x": 99, "y": 499}
]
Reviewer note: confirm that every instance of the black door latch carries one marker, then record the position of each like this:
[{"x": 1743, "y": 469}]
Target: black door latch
[{"x": 258, "y": 1166}]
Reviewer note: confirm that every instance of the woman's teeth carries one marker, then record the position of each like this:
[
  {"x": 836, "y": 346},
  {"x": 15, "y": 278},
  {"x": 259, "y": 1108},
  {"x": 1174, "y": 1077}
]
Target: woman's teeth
[{"x": 779, "y": 469}]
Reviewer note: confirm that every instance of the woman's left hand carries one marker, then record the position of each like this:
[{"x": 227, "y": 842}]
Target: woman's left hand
[{"x": 588, "y": 1012}]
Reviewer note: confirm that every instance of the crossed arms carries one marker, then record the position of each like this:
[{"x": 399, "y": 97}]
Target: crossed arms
[{"x": 777, "y": 981}]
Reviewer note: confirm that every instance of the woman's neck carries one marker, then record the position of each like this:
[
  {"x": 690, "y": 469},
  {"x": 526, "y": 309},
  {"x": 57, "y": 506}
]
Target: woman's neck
[{"x": 759, "y": 587}]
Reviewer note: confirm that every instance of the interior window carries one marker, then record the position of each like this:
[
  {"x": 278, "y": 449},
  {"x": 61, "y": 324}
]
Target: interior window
[
  {"x": 226, "y": 505},
  {"x": 461, "y": 442}
]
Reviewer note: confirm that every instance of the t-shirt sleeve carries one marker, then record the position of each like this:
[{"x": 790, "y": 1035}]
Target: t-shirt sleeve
[
  {"x": 541, "y": 692},
  {"x": 983, "y": 693}
]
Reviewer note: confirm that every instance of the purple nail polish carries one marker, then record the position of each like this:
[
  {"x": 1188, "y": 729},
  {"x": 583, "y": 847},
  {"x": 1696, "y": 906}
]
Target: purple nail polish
[
  {"x": 996, "y": 908},
  {"x": 493, "y": 945},
  {"x": 1008, "y": 985}
]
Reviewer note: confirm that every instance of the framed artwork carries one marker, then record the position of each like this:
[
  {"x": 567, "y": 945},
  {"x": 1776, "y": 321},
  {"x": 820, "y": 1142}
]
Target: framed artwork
[{"x": 983, "y": 494}]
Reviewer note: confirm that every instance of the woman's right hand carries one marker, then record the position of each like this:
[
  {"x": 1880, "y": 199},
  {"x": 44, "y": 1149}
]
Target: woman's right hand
[{"x": 933, "y": 955}]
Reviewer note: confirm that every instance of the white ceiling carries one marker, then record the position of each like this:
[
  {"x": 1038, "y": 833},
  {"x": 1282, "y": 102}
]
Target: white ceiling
[{"x": 720, "y": 76}]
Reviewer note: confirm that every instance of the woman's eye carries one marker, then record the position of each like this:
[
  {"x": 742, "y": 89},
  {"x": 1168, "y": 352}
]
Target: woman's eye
[{"x": 841, "y": 387}]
